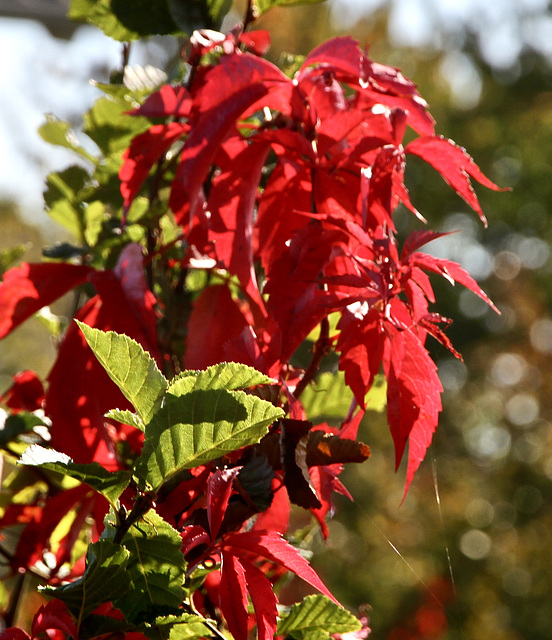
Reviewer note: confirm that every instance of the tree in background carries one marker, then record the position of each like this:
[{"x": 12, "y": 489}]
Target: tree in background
[{"x": 231, "y": 218}]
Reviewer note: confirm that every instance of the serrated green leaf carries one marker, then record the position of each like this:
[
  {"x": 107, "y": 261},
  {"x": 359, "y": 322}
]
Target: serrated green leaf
[
  {"x": 186, "y": 626},
  {"x": 265, "y": 5},
  {"x": 109, "y": 483},
  {"x": 225, "y": 375},
  {"x": 126, "y": 417},
  {"x": 200, "y": 426},
  {"x": 315, "y": 618},
  {"x": 130, "y": 367},
  {"x": 59, "y": 133},
  {"x": 105, "y": 578},
  {"x": 156, "y": 566}
]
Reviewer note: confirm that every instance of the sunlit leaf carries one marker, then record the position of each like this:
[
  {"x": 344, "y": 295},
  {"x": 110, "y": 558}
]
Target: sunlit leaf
[
  {"x": 316, "y": 618},
  {"x": 265, "y": 5},
  {"x": 197, "y": 427},
  {"x": 130, "y": 367}
]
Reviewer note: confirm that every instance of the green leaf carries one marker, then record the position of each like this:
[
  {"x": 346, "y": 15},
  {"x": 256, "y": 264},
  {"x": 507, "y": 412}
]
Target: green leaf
[
  {"x": 63, "y": 199},
  {"x": 8, "y": 257},
  {"x": 315, "y": 618},
  {"x": 130, "y": 367},
  {"x": 225, "y": 375},
  {"x": 59, "y": 133},
  {"x": 123, "y": 20},
  {"x": 126, "y": 417},
  {"x": 156, "y": 566},
  {"x": 200, "y": 426},
  {"x": 186, "y": 626},
  {"x": 110, "y": 127},
  {"x": 109, "y": 483},
  {"x": 17, "y": 424},
  {"x": 265, "y": 5},
  {"x": 105, "y": 578}
]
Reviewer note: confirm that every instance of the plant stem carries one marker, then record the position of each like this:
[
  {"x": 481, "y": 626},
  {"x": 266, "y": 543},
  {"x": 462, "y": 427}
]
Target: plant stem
[{"x": 322, "y": 347}]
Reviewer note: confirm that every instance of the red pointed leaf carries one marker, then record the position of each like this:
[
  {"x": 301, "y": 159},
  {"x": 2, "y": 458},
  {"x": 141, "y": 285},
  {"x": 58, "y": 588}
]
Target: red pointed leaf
[
  {"x": 214, "y": 314},
  {"x": 168, "y": 101},
  {"x": 455, "y": 165},
  {"x": 271, "y": 545},
  {"x": 219, "y": 490},
  {"x": 25, "y": 394},
  {"x": 54, "y": 615},
  {"x": 413, "y": 397},
  {"x": 453, "y": 272},
  {"x": 145, "y": 150},
  {"x": 14, "y": 633},
  {"x": 233, "y": 595},
  {"x": 29, "y": 287},
  {"x": 264, "y": 600}
]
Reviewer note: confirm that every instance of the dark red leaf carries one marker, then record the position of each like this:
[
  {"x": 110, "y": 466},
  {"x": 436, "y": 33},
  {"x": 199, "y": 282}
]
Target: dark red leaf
[
  {"x": 29, "y": 287},
  {"x": 25, "y": 394},
  {"x": 14, "y": 633},
  {"x": 219, "y": 490}
]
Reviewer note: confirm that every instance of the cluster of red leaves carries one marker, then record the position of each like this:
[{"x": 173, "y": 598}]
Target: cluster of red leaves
[{"x": 314, "y": 235}]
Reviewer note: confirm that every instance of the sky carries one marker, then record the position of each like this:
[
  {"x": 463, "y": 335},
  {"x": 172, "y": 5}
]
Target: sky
[{"x": 41, "y": 75}]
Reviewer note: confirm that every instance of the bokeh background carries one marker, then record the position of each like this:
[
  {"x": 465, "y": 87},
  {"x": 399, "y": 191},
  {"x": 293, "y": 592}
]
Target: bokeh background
[{"x": 468, "y": 555}]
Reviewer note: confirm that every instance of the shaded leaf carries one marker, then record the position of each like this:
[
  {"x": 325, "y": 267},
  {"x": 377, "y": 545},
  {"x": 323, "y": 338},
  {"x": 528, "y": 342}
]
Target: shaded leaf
[
  {"x": 156, "y": 566},
  {"x": 105, "y": 578},
  {"x": 265, "y": 5}
]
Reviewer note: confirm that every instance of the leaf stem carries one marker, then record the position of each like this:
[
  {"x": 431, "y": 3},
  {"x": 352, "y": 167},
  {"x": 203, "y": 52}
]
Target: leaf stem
[{"x": 321, "y": 348}]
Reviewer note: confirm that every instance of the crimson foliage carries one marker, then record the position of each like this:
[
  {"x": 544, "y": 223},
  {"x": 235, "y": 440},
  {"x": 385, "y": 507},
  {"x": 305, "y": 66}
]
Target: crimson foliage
[{"x": 256, "y": 208}]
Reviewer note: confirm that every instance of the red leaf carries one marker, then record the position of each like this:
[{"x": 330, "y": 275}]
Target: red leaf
[
  {"x": 13, "y": 633},
  {"x": 233, "y": 86},
  {"x": 264, "y": 600},
  {"x": 144, "y": 151},
  {"x": 219, "y": 490},
  {"x": 232, "y": 202},
  {"x": 168, "y": 101},
  {"x": 216, "y": 315},
  {"x": 233, "y": 595},
  {"x": 29, "y": 287},
  {"x": 54, "y": 615},
  {"x": 271, "y": 545},
  {"x": 452, "y": 271},
  {"x": 413, "y": 397},
  {"x": 258, "y": 42},
  {"x": 25, "y": 394},
  {"x": 455, "y": 165},
  {"x": 276, "y": 517},
  {"x": 360, "y": 342}
]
